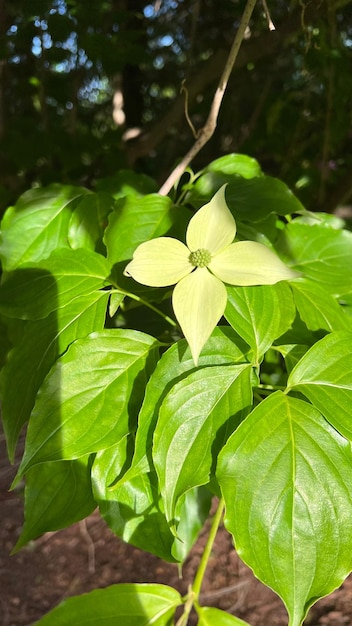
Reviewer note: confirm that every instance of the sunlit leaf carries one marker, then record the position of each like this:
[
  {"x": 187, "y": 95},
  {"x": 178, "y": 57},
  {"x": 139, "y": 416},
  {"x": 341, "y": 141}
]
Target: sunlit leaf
[
  {"x": 210, "y": 616},
  {"x": 317, "y": 308},
  {"x": 286, "y": 478},
  {"x": 323, "y": 375},
  {"x": 89, "y": 220},
  {"x": 260, "y": 314},
  {"x": 135, "y": 220},
  {"x": 38, "y": 224},
  {"x": 128, "y": 604},
  {"x": 91, "y": 397},
  {"x": 134, "y": 512},
  {"x": 195, "y": 420},
  {"x": 223, "y": 347}
]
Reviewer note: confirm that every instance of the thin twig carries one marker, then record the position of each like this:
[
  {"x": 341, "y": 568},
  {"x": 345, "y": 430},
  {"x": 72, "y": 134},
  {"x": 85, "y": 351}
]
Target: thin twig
[
  {"x": 190, "y": 123},
  {"x": 271, "y": 24},
  {"x": 208, "y": 129}
]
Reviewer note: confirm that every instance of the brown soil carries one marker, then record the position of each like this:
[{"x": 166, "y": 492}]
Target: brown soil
[{"x": 88, "y": 555}]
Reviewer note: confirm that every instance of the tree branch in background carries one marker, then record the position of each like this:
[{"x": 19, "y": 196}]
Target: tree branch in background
[
  {"x": 208, "y": 129},
  {"x": 252, "y": 51}
]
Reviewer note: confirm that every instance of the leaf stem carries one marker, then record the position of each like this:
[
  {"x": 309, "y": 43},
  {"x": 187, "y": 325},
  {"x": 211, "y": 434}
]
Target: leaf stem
[
  {"x": 196, "y": 587},
  {"x": 194, "y": 590},
  {"x": 133, "y": 296}
]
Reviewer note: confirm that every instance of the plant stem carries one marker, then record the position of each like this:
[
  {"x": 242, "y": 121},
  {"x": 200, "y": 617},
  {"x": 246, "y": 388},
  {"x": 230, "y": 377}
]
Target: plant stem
[
  {"x": 196, "y": 587},
  {"x": 194, "y": 590},
  {"x": 208, "y": 129},
  {"x": 133, "y": 296}
]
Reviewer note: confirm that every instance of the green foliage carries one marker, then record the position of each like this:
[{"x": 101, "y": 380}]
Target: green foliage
[{"x": 120, "y": 417}]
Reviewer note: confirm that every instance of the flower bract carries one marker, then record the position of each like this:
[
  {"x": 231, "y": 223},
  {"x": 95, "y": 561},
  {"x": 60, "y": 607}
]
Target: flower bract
[{"x": 200, "y": 268}]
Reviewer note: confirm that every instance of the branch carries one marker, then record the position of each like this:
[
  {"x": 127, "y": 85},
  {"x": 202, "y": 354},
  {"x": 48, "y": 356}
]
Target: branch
[
  {"x": 253, "y": 50},
  {"x": 208, "y": 129}
]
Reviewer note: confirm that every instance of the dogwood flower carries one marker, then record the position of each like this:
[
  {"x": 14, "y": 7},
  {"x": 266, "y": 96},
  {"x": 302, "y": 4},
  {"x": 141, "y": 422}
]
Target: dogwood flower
[{"x": 200, "y": 269}]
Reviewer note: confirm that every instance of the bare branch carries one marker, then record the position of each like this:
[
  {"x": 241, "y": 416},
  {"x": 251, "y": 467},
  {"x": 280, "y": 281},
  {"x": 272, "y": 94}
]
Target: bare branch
[
  {"x": 210, "y": 125},
  {"x": 254, "y": 49}
]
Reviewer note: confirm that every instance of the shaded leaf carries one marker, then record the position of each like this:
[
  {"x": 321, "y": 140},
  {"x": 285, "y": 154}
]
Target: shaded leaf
[
  {"x": 322, "y": 254},
  {"x": 56, "y": 496},
  {"x": 250, "y": 199},
  {"x": 31, "y": 359},
  {"x": 127, "y": 183},
  {"x": 34, "y": 291}
]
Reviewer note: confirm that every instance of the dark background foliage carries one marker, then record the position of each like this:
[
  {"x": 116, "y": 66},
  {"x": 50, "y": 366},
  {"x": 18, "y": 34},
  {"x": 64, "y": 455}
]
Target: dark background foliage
[{"x": 89, "y": 88}]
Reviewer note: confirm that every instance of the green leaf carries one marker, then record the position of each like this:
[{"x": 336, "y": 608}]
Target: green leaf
[
  {"x": 209, "y": 616},
  {"x": 127, "y": 183},
  {"x": 116, "y": 299},
  {"x": 249, "y": 200},
  {"x": 254, "y": 200},
  {"x": 5, "y": 342},
  {"x": 235, "y": 165},
  {"x": 285, "y": 475},
  {"x": 133, "y": 510},
  {"x": 31, "y": 359},
  {"x": 223, "y": 347},
  {"x": 217, "y": 173},
  {"x": 193, "y": 511},
  {"x": 322, "y": 254},
  {"x": 260, "y": 314},
  {"x": 346, "y": 302},
  {"x": 195, "y": 419},
  {"x": 323, "y": 375},
  {"x": 317, "y": 308},
  {"x": 128, "y": 604},
  {"x": 135, "y": 220},
  {"x": 88, "y": 221},
  {"x": 37, "y": 225},
  {"x": 56, "y": 496},
  {"x": 91, "y": 397},
  {"x": 34, "y": 291},
  {"x": 292, "y": 353}
]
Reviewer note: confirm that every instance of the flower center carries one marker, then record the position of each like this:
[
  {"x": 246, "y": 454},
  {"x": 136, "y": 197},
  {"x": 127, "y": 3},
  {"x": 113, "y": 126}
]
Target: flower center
[{"x": 200, "y": 258}]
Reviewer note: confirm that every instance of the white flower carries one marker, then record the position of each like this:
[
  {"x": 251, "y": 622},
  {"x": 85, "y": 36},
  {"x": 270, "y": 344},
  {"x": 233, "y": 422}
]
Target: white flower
[{"x": 201, "y": 268}]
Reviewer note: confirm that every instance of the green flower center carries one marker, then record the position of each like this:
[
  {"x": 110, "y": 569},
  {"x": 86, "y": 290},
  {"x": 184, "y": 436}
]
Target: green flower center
[{"x": 200, "y": 258}]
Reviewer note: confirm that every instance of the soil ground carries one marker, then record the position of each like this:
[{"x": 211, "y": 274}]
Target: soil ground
[{"x": 88, "y": 555}]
